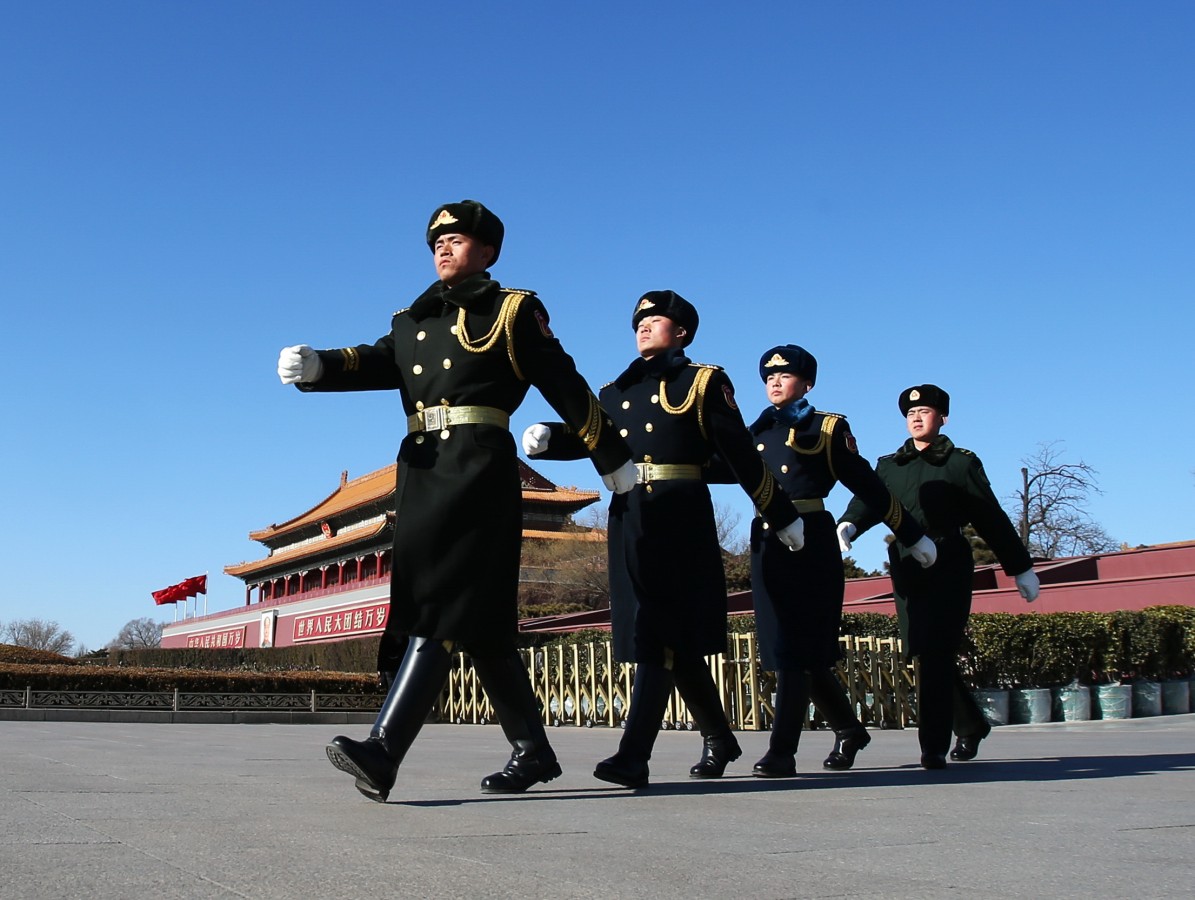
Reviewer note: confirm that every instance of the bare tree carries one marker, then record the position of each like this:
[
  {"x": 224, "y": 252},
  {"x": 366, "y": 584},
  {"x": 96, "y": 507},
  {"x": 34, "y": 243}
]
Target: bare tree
[
  {"x": 138, "y": 634},
  {"x": 38, "y": 634},
  {"x": 1051, "y": 507}
]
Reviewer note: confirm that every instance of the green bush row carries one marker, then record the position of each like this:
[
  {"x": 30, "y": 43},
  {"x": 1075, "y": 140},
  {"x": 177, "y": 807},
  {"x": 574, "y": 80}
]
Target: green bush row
[
  {"x": 1048, "y": 649},
  {"x": 40, "y": 677}
]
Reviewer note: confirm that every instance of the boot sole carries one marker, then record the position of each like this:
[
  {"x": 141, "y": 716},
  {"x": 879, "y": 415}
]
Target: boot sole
[
  {"x": 550, "y": 775},
  {"x": 615, "y": 778},
  {"x": 364, "y": 785}
]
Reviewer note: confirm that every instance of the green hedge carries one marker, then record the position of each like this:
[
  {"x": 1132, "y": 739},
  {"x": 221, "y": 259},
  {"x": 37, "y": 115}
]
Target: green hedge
[{"x": 1048, "y": 649}]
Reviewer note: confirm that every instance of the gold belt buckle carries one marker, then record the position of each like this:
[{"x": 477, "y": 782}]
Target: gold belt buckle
[
  {"x": 641, "y": 476},
  {"x": 435, "y": 418}
]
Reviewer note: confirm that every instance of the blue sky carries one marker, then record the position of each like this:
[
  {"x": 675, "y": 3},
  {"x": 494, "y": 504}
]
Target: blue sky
[{"x": 992, "y": 197}]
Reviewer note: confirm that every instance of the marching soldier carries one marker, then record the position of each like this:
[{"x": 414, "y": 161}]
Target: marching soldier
[
  {"x": 798, "y": 596},
  {"x": 462, "y": 357},
  {"x": 944, "y": 487},
  {"x": 667, "y": 586}
]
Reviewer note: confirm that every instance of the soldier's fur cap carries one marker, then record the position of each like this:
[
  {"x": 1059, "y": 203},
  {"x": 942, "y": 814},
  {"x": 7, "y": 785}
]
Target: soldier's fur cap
[
  {"x": 925, "y": 395},
  {"x": 670, "y": 305},
  {"x": 788, "y": 358},
  {"x": 467, "y": 217}
]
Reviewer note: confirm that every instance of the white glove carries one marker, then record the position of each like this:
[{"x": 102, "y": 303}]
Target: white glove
[
  {"x": 793, "y": 536},
  {"x": 1029, "y": 585},
  {"x": 299, "y": 363},
  {"x": 846, "y": 533},
  {"x": 621, "y": 479},
  {"x": 535, "y": 439},
  {"x": 925, "y": 551}
]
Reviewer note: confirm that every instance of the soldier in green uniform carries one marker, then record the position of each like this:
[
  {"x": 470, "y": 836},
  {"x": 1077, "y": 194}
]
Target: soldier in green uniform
[
  {"x": 462, "y": 358},
  {"x": 945, "y": 488},
  {"x": 667, "y": 585},
  {"x": 798, "y": 596}
]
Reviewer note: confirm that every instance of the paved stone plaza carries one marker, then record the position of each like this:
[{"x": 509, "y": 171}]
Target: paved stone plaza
[{"x": 1084, "y": 810}]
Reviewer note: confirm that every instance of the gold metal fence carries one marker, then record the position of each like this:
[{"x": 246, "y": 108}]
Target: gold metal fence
[{"x": 581, "y": 685}]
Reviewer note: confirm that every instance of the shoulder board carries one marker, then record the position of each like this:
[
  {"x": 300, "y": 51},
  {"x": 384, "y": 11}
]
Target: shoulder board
[
  {"x": 401, "y": 311},
  {"x": 698, "y": 365},
  {"x": 522, "y": 291},
  {"x": 887, "y": 456},
  {"x": 967, "y": 452},
  {"x": 606, "y": 385},
  {"x": 832, "y": 415}
]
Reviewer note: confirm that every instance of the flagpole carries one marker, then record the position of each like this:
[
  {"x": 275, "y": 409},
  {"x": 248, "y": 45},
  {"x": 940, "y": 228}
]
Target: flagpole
[{"x": 205, "y": 574}]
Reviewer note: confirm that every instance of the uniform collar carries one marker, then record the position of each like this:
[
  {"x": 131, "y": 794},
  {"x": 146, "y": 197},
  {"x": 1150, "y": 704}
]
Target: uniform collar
[
  {"x": 798, "y": 415},
  {"x": 665, "y": 365},
  {"x": 935, "y": 454},
  {"x": 471, "y": 295}
]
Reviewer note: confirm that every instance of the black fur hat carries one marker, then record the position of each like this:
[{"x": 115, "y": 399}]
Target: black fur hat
[
  {"x": 670, "y": 305},
  {"x": 467, "y": 217},
  {"x": 924, "y": 395}
]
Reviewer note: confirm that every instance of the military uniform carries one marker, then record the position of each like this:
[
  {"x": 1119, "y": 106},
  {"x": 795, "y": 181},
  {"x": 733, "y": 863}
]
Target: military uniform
[
  {"x": 667, "y": 583},
  {"x": 462, "y": 357},
  {"x": 798, "y": 596},
  {"x": 944, "y": 488},
  {"x": 458, "y": 527}
]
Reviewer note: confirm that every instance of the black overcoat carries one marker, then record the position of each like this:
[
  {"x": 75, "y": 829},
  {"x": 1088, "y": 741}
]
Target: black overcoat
[
  {"x": 458, "y": 523},
  {"x": 798, "y": 596},
  {"x": 667, "y": 584}
]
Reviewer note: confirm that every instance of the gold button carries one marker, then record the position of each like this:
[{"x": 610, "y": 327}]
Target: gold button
[
  {"x": 418, "y": 439},
  {"x": 453, "y": 329},
  {"x": 649, "y": 488},
  {"x": 655, "y": 398},
  {"x": 444, "y": 435},
  {"x": 623, "y": 432},
  {"x": 419, "y": 404},
  {"x": 448, "y": 364},
  {"x": 626, "y": 404},
  {"x": 417, "y": 369},
  {"x": 766, "y": 526},
  {"x": 421, "y": 335},
  {"x": 759, "y": 447},
  {"x": 784, "y": 469},
  {"x": 648, "y": 426}
]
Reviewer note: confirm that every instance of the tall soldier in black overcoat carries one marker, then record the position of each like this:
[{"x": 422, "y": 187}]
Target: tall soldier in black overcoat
[
  {"x": 462, "y": 357},
  {"x": 944, "y": 487},
  {"x": 667, "y": 584},
  {"x": 798, "y": 596}
]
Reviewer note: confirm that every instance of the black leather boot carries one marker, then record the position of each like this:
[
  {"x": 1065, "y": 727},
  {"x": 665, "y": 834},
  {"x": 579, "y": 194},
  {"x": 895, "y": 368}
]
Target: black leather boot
[
  {"x": 649, "y": 697},
  {"x": 827, "y": 694},
  {"x": 416, "y": 687},
  {"x": 509, "y": 689},
  {"x": 969, "y": 722},
  {"x": 792, "y": 702},
  {"x": 700, "y": 693}
]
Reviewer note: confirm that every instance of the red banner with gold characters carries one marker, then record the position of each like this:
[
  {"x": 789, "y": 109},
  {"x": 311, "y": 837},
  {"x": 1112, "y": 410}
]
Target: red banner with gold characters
[
  {"x": 347, "y": 622},
  {"x": 230, "y": 638}
]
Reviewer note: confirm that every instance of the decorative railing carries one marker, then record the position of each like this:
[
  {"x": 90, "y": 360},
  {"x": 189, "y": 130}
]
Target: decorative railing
[{"x": 575, "y": 684}]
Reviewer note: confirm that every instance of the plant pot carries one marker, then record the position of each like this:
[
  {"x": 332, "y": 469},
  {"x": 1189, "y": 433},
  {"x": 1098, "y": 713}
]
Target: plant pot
[
  {"x": 994, "y": 705},
  {"x": 1147, "y": 699},
  {"x": 1029, "y": 706},
  {"x": 1113, "y": 701},
  {"x": 1072, "y": 703},
  {"x": 1176, "y": 697}
]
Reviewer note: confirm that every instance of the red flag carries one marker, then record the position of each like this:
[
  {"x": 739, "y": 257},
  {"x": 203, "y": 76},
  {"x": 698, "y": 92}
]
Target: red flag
[
  {"x": 192, "y": 586},
  {"x": 168, "y": 595}
]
